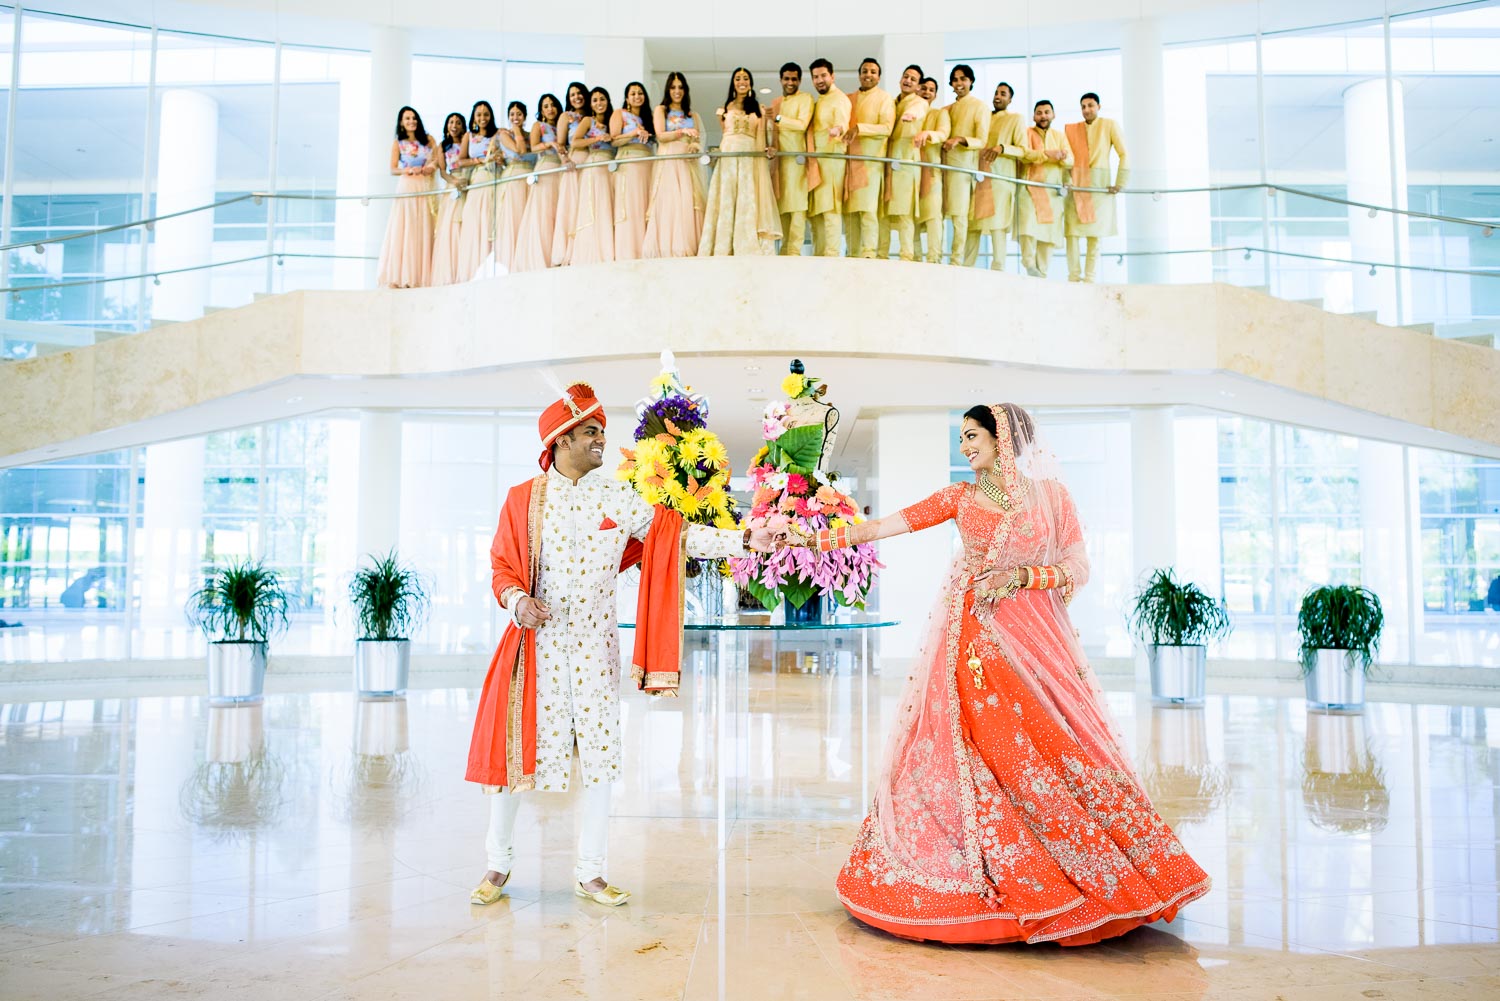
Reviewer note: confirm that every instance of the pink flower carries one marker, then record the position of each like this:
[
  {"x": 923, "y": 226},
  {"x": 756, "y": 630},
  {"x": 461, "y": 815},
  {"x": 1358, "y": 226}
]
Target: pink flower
[{"x": 797, "y": 484}]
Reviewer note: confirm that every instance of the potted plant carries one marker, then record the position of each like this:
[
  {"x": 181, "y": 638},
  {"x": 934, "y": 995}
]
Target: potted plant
[
  {"x": 391, "y": 602},
  {"x": 239, "y": 607},
  {"x": 1176, "y": 620},
  {"x": 1340, "y": 628}
]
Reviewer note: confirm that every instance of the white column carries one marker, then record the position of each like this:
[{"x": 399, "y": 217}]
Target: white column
[
  {"x": 390, "y": 88},
  {"x": 378, "y": 512},
  {"x": 1374, "y": 145},
  {"x": 186, "y": 167},
  {"x": 171, "y": 538},
  {"x": 1383, "y": 551},
  {"x": 612, "y": 63},
  {"x": 1196, "y": 464},
  {"x": 1153, "y": 489},
  {"x": 911, "y": 463},
  {"x": 1146, "y": 226},
  {"x": 1184, "y": 161},
  {"x": 900, "y": 51}
]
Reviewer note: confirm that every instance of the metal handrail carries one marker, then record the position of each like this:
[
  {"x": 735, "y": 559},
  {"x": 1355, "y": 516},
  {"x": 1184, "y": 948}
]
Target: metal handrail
[
  {"x": 184, "y": 270},
  {"x": 1486, "y": 227}
]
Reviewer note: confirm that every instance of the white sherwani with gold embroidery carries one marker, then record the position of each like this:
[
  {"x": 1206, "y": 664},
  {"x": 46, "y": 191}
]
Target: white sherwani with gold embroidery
[{"x": 578, "y": 648}]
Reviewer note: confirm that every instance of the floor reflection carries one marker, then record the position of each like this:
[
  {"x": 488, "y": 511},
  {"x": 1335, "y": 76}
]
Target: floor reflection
[{"x": 319, "y": 845}]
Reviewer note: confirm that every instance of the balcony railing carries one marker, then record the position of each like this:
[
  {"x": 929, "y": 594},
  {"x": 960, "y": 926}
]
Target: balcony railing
[{"x": 1434, "y": 276}]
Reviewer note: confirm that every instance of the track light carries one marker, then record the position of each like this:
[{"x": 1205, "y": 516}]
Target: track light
[
  {"x": 1372, "y": 213},
  {"x": 1372, "y": 271},
  {"x": 365, "y": 202},
  {"x": 156, "y": 279}
]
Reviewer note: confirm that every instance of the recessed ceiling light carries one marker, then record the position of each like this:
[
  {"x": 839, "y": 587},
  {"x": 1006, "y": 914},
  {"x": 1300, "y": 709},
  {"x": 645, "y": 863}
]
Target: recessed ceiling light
[
  {"x": 755, "y": 389},
  {"x": 294, "y": 399},
  {"x": 752, "y": 369}
]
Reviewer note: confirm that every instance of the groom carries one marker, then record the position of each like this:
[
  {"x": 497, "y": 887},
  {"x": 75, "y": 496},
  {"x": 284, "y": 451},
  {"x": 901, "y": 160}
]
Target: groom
[{"x": 553, "y": 687}]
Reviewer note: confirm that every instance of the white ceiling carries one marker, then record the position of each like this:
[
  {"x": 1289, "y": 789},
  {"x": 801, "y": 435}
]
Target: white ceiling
[{"x": 739, "y": 386}]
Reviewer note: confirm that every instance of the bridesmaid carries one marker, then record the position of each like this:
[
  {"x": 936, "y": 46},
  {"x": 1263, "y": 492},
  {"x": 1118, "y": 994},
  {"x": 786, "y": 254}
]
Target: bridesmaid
[
  {"x": 631, "y": 134},
  {"x": 594, "y": 232},
  {"x": 574, "y": 153},
  {"x": 406, "y": 254},
  {"x": 741, "y": 215},
  {"x": 451, "y": 207},
  {"x": 676, "y": 222},
  {"x": 534, "y": 244},
  {"x": 510, "y": 197},
  {"x": 476, "y": 233}
]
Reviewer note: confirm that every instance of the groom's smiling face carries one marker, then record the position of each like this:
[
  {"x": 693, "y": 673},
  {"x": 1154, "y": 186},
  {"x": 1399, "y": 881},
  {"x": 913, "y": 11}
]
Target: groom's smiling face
[{"x": 586, "y": 444}]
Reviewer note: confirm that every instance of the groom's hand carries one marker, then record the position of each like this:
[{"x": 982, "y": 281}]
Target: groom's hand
[
  {"x": 530, "y": 613},
  {"x": 766, "y": 539}
]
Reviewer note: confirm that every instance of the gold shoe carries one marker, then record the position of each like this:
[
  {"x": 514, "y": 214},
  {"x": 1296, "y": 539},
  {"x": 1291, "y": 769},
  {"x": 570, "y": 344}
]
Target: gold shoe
[
  {"x": 487, "y": 893},
  {"x": 610, "y": 896}
]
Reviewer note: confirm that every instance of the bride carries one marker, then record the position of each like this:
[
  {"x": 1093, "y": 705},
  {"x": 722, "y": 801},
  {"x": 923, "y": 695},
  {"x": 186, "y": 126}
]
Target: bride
[{"x": 1007, "y": 809}]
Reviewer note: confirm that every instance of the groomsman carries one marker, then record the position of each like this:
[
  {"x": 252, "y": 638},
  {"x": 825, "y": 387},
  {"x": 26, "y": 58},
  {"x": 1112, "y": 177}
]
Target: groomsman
[
  {"x": 1039, "y": 222},
  {"x": 935, "y": 129},
  {"x": 1091, "y": 214},
  {"x": 995, "y": 201},
  {"x": 829, "y": 133},
  {"x": 872, "y": 117},
  {"x": 900, "y": 209},
  {"x": 969, "y": 121},
  {"x": 790, "y": 114}
]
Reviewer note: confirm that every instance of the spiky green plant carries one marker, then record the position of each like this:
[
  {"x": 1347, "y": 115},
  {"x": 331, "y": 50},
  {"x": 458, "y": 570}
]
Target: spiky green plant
[
  {"x": 1168, "y": 612},
  {"x": 389, "y": 597},
  {"x": 1340, "y": 617},
  {"x": 242, "y": 601}
]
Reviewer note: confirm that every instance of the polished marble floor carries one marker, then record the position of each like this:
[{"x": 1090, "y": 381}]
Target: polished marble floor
[{"x": 319, "y": 846}]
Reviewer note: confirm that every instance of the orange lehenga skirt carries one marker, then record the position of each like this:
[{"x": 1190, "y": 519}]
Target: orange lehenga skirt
[{"x": 1056, "y": 842}]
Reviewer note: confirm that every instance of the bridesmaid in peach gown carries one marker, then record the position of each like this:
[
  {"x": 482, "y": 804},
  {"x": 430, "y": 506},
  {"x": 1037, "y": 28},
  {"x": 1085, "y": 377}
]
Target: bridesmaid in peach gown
[
  {"x": 476, "y": 233},
  {"x": 406, "y": 253},
  {"x": 574, "y": 152},
  {"x": 631, "y": 134},
  {"x": 1008, "y": 809},
  {"x": 450, "y": 203},
  {"x": 741, "y": 215},
  {"x": 594, "y": 232},
  {"x": 676, "y": 218},
  {"x": 510, "y": 196},
  {"x": 534, "y": 243}
]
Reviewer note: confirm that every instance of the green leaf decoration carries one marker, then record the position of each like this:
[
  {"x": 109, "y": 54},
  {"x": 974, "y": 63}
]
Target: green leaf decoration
[{"x": 798, "y": 449}]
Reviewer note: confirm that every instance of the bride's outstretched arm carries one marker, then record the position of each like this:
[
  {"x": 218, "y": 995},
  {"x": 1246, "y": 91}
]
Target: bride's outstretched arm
[{"x": 940, "y": 507}]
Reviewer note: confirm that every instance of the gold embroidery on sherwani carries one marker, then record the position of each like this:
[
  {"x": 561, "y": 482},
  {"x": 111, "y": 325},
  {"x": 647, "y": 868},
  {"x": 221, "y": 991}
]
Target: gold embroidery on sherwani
[{"x": 513, "y": 754}]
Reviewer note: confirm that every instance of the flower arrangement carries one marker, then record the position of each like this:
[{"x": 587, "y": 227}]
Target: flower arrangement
[
  {"x": 677, "y": 462},
  {"x": 789, "y": 491}
]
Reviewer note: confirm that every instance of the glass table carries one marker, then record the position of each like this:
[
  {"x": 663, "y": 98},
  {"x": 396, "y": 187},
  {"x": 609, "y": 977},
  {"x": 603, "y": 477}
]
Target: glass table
[{"x": 741, "y": 711}]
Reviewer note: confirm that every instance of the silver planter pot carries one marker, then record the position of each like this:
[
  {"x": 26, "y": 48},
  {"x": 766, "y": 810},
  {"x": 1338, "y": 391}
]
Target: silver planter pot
[
  {"x": 1336, "y": 682},
  {"x": 236, "y": 671},
  {"x": 381, "y": 666},
  {"x": 1179, "y": 674}
]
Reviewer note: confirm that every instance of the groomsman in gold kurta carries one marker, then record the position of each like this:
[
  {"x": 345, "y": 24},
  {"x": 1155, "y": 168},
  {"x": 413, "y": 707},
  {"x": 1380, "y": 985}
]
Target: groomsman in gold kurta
[
  {"x": 872, "y": 117},
  {"x": 969, "y": 121},
  {"x": 1039, "y": 220},
  {"x": 828, "y": 133},
  {"x": 900, "y": 209},
  {"x": 995, "y": 201},
  {"x": 935, "y": 129},
  {"x": 1091, "y": 214},
  {"x": 790, "y": 115}
]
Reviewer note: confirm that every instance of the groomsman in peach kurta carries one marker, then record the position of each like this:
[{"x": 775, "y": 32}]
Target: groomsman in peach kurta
[
  {"x": 900, "y": 209},
  {"x": 1039, "y": 221},
  {"x": 790, "y": 114},
  {"x": 969, "y": 120},
  {"x": 872, "y": 117},
  {"x": 995, "y": 201},
  {"x": 935, "y": 129},
  {"x": 829, "y": 133},
  {"x": 1091, "y": 214}
]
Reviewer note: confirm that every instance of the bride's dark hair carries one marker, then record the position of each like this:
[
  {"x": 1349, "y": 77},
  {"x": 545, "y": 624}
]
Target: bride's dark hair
[{"x": 1022, "y": 430}]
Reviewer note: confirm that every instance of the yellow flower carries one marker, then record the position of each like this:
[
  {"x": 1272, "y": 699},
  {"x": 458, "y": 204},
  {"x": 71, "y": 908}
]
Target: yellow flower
[
  {"x": 625, "y": 472},
  {"x": 793, "y": 385},
  {"x": 716, "y": 500},
  {"x": 689, "y": 504},
  {"x": 675, "y": 490},
  {"x": 714, "y": 452},
  {"x": 725, "y": 520},
  {"x": 649, "y": 452},
  {"x": 836, "y": 522},
  {"x": 662, "y": 383},
  {"x": 651, "y": 495}
]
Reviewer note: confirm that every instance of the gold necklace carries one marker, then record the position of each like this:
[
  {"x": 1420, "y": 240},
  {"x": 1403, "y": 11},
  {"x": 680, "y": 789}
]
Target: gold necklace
[{"x": 992, "y": 491}]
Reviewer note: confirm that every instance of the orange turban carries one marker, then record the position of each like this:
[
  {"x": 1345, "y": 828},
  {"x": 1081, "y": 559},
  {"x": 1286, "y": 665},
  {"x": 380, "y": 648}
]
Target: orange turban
[{"x": 559, "y": 418}]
